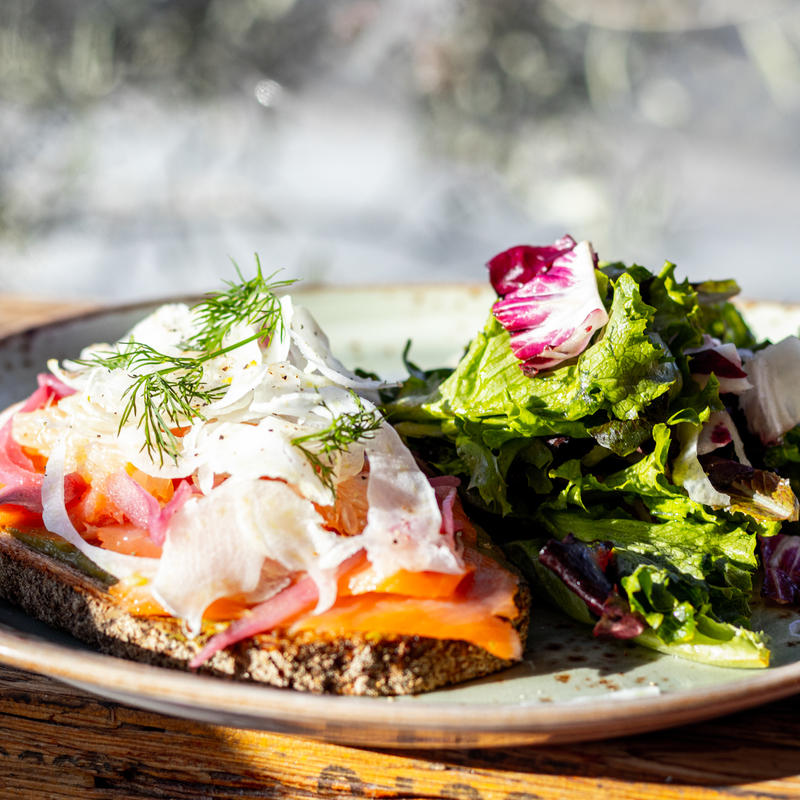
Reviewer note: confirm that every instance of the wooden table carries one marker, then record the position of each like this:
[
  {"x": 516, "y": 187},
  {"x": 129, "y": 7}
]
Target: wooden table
[{"x": 57, "y": 743}]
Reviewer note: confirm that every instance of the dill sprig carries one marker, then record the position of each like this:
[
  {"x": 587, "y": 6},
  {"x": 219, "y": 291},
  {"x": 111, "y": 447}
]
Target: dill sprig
[
  {"x": 345, "y": 429},
  {"x": 167, "y": 401},
  {"x": 169, "y": 390},
  {"x": 252, "y": 302}
]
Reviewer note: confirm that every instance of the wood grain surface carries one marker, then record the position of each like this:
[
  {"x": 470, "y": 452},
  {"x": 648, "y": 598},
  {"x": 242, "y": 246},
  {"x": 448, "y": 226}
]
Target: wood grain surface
[
  {"x": 60, "y": 743},
  {"x": 17, "y": 313}
]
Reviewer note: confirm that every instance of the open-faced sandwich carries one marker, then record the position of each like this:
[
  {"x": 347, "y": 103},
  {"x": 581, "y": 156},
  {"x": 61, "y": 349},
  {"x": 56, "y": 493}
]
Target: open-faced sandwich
[
  {"x": 217, "y": 492},
  {"x": 634, "y": 445}
]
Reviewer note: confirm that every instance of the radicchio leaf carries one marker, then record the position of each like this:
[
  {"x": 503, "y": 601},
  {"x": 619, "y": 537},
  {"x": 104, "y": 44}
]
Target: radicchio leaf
[
  {"x": 772, "y": 406},
  {"x": 756, "y": 492},
  {"x": 720, "y": 430},
  {"x": 582, "y": 568},
  {"x": 722, "y": 360},
  {"x": 780, "y": 557},
  {"x": 549, "y": 301}
]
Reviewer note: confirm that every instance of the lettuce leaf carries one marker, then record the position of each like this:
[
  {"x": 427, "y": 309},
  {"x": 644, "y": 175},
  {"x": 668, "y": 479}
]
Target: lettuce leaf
[
  {"x": 784, "y": 458},
  {"x": 718, "y": 643},
  {"x": 725, "y": 322},
  {"x": 678, "y": 612},
  {"x": 620, "y": 374},
  {"x": 678, "y": 316}
]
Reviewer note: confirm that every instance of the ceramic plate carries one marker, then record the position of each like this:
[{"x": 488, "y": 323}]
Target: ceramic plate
[{"x": 570, "y": 686}]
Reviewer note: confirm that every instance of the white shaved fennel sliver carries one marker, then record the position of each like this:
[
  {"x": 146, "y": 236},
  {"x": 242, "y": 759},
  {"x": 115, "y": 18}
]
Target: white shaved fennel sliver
[
  {"x": 689, "y": 473},
  {"x": 403, "y": 521},
  {"x": 313, "y": 345},
  {"x": 263, "y": 449}
]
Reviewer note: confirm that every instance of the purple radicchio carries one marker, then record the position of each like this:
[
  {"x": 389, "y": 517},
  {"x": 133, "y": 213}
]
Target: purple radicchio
[
  {"x": 584, "y": 571},
  {"x": 718, "y": 431},
  {"x": 780, "y": 558},
  {"x": 724, "y": 361},
  {"x": 548, "y": 301}
]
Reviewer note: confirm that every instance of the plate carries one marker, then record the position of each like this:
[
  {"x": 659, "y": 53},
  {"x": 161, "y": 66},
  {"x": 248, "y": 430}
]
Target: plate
[{"x": 569, "y": 687}]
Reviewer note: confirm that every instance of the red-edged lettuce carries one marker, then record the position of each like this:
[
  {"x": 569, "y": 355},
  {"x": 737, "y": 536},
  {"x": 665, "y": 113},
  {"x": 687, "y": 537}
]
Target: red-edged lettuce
[
  {"x": 587, "y": 571},
  {"x": 757, "y": 492}
]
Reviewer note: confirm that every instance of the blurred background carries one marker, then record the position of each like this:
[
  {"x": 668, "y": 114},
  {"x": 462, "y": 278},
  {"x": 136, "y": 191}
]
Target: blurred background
[{"x": 145, "y": 144}]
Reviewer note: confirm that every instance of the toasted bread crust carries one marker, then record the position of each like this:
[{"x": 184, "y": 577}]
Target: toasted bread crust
[{"x": 358, "y": 664}]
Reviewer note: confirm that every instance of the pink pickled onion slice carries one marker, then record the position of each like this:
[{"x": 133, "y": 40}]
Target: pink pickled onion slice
[
  {"x": 158, "y": 524},
  {"x": 448, "y": 522},
  {"x": 50, "y": 388},
  {"x": 29, "y": 495},
  {"x": 300, "y": 596},
  {"x": 131, "y": 498},
  {"x": 446, "y": 497},
  {"x": 22, "y": 485},
  {"x": 548, "y": 301},
  {"x": 141, "y": 508},
  {"x": 289, "y": 602},
  {"x": 15, "y": 467},
  {"x": 453, "y": 518}
]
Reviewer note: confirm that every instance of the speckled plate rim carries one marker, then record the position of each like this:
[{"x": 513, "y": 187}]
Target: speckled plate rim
[
  {"x": 380, "y": 722},
  {"x": 375, "y": 722}
]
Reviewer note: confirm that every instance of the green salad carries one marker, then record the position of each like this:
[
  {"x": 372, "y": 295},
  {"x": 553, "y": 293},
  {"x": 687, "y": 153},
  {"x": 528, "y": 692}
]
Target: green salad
[{"x": 629, "y": 443}]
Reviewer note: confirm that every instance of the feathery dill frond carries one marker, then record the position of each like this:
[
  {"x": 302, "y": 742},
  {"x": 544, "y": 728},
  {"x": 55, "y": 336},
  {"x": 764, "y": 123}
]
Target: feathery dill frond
[
  {"x": 169, "y": 391},
  {"x": 252, "y": 302},
  {"x": 344, "y": 430}
]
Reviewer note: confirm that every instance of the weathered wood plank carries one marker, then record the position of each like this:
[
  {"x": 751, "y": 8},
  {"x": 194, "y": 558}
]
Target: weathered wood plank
[
  {"x": 63, "y": 743},
  {"x": 17, "y": 313}
]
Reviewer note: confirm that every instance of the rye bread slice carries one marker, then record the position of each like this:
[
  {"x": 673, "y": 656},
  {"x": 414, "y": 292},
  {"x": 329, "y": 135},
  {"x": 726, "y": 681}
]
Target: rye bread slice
[{"x": 68, "y": 598}]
